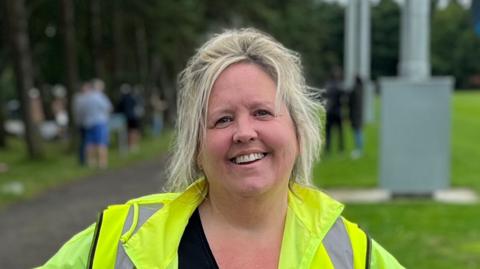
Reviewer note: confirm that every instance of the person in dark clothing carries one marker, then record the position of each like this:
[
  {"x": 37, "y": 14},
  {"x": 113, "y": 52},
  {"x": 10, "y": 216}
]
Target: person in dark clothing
[
  {"x": 355, "y": 111},
  {"x": 334, "y": 95},
  {"x": 127, "y": 106}
]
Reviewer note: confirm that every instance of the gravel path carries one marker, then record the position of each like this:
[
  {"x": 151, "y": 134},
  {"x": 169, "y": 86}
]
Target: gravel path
[{"x": 34, "y": 230}]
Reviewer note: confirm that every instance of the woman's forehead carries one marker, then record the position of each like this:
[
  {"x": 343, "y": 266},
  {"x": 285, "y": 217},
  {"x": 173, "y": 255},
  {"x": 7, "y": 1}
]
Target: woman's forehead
[{"x": 243, "y": 80}]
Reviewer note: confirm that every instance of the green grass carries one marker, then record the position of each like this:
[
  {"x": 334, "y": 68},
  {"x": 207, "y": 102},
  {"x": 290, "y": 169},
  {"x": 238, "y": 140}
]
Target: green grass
[
  {"x": 465, "y": 140},
  {"x": 57, "y": 167},
  {"x": 424, "y": 234},
  {"x": 338, "y": 169},
  {"x": 421, "y": 234}
]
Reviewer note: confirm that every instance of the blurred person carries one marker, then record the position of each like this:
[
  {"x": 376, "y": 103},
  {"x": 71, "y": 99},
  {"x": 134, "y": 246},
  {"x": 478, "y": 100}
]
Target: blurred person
[
  {"x": 247, "y": 137},
  {"x": 138, "y": 94},
  {"x": 36, "y": 107},
  {"x": 59, "y": 109},
  {"x": 128, "y": 107},
  {"x": 158, "y": 106},
  {"x": 97, "y": 109},
  {"x": 334, "y": 109},
  {"x": 79, "y": 114},
  {"x": 355, "y": 112}
]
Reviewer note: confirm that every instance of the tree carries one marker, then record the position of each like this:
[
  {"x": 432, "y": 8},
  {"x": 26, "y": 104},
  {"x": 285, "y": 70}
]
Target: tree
[
  {"x": 3, "y": 48},
  {"x": 97, "y": 40},
  {"x": 70, "y": 56},
  {"x": 118, "y": 44},
  {"x": 385, "y": 38},
  {"x": 20, "y": 47},
  {"x": 452, "y": 24},
  {"x": 172, "y": 46}
]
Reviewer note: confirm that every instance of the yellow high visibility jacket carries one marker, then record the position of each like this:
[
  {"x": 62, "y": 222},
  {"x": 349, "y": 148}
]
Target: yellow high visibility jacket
[{"x": 146, "y": 232}]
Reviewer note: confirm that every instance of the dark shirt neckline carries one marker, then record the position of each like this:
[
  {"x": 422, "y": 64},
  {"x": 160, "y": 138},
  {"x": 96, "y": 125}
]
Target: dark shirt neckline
[{"x": 194, "y": 250}]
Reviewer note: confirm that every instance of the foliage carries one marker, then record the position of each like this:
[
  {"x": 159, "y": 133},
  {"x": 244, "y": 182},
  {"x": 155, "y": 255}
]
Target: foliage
[
  {"x": 385, "y": 38},
  {"x": 46, "y": 41},
  {"x": 323, "y": 25},
  {"x": 435, "y": 230},
  {"x": 175, "y": 29},
  {"x": 178, "y": 29},
  {"x": 452, "y": 25}
]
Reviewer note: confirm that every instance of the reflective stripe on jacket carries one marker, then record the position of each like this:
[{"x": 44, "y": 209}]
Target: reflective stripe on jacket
[{"x": 146, "y": 232}]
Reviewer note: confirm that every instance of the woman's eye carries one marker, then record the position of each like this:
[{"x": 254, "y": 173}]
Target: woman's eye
[
  {"x": 262, "y": 113},
  {"x": 223, "y": 121}
]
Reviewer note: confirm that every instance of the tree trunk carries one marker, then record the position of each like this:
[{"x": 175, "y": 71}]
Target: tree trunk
[
  {"x": 142, "y": 51},
  {"x": 97, "y": 44},
  {"x": 68, "y": 32},
  {"x": 142, "y": 60},
  {"x": 167, "y": 88},
  {"x": 3, "y": 63},
  {"x": 118, "y": 46},
  {"x": 20, "y": 47},
  {"x": 3, "y": 135}
]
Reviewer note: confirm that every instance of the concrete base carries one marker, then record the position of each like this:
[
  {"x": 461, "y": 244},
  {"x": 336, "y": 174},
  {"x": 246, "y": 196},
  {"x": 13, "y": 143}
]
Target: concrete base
[
  {"x": 449, "y": 196},
  {"x": 456, "y": 196},
  {"x": 359, "y": 195}
]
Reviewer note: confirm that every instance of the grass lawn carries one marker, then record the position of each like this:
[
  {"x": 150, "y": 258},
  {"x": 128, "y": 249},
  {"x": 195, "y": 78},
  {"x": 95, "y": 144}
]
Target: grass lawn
[
  {"x": 32, "y": 177},
  {"x": 421, "y": 234}
]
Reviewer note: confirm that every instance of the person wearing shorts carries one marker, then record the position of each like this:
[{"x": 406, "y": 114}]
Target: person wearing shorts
[
  {"x": 98, "y": 135},
  {"x": 97, "y": 108}
]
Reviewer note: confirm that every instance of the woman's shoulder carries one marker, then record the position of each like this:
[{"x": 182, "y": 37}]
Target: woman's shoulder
[{"x": 74, "y": 253}]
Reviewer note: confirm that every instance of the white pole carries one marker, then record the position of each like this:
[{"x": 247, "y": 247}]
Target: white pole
[
  {"x": 351, "y": 35},
  {"x": 415, "y": 40}
]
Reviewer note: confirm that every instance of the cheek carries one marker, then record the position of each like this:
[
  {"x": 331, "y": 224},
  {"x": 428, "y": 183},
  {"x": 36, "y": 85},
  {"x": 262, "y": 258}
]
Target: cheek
[
  {"x": 292, "y": 150},
  {"x": 286, "y": 135},
  {"x": 213, "y": 149}
]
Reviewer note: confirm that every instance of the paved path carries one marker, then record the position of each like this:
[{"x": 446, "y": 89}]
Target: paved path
[{"x": 33, "y": 230}]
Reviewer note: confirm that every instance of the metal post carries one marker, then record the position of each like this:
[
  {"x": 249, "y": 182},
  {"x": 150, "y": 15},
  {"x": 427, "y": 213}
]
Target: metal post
[
  {"x": 415, "y": 46},
  {"x": 351, "y": 41},
  {"x": 357, "y": 52}
]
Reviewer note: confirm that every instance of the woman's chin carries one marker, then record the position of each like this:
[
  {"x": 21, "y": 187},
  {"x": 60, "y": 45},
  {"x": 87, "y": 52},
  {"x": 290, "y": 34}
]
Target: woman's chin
[{"x": 254, "y": 188}]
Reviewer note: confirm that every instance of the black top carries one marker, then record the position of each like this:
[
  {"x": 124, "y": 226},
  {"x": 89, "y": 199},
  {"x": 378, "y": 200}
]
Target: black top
[{"x": 194, "y": 251}]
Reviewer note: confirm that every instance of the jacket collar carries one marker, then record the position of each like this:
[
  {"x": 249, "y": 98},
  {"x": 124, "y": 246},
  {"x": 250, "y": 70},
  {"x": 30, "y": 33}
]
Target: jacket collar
[
  {"x": 316, "y": 210},
  {"x": 155, "y": 244},
  {"x": 311, "y": 214}
]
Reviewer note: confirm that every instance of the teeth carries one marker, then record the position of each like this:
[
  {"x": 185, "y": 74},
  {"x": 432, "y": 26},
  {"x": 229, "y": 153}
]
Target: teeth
[{"x": 248, "y": 158}]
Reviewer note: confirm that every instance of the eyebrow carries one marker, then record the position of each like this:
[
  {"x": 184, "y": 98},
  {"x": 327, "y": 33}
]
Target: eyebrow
[{"x": 225, "y": 107}]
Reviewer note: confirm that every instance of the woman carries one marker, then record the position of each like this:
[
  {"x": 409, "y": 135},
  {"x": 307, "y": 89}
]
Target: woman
[{"x": 248, "y": 134}]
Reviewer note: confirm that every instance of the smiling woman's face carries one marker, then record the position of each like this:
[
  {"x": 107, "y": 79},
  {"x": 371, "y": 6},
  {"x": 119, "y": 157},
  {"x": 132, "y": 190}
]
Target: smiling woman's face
[{"x": 249, "y": 148}]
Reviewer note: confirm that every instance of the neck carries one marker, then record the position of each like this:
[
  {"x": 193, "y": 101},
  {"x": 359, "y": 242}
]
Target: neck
[{"x": 252, "y": 213}]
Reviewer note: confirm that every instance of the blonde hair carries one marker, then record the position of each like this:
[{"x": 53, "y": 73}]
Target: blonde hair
[{"x": 196, "y": 82}]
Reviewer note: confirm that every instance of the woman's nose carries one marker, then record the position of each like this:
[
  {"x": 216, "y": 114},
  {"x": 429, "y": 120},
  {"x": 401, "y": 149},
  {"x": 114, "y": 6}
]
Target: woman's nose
[{"x": 245, "y": 131}]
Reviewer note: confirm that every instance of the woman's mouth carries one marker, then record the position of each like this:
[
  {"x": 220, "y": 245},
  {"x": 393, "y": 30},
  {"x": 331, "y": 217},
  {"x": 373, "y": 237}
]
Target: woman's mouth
[{"x": 248, "y": 158}]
